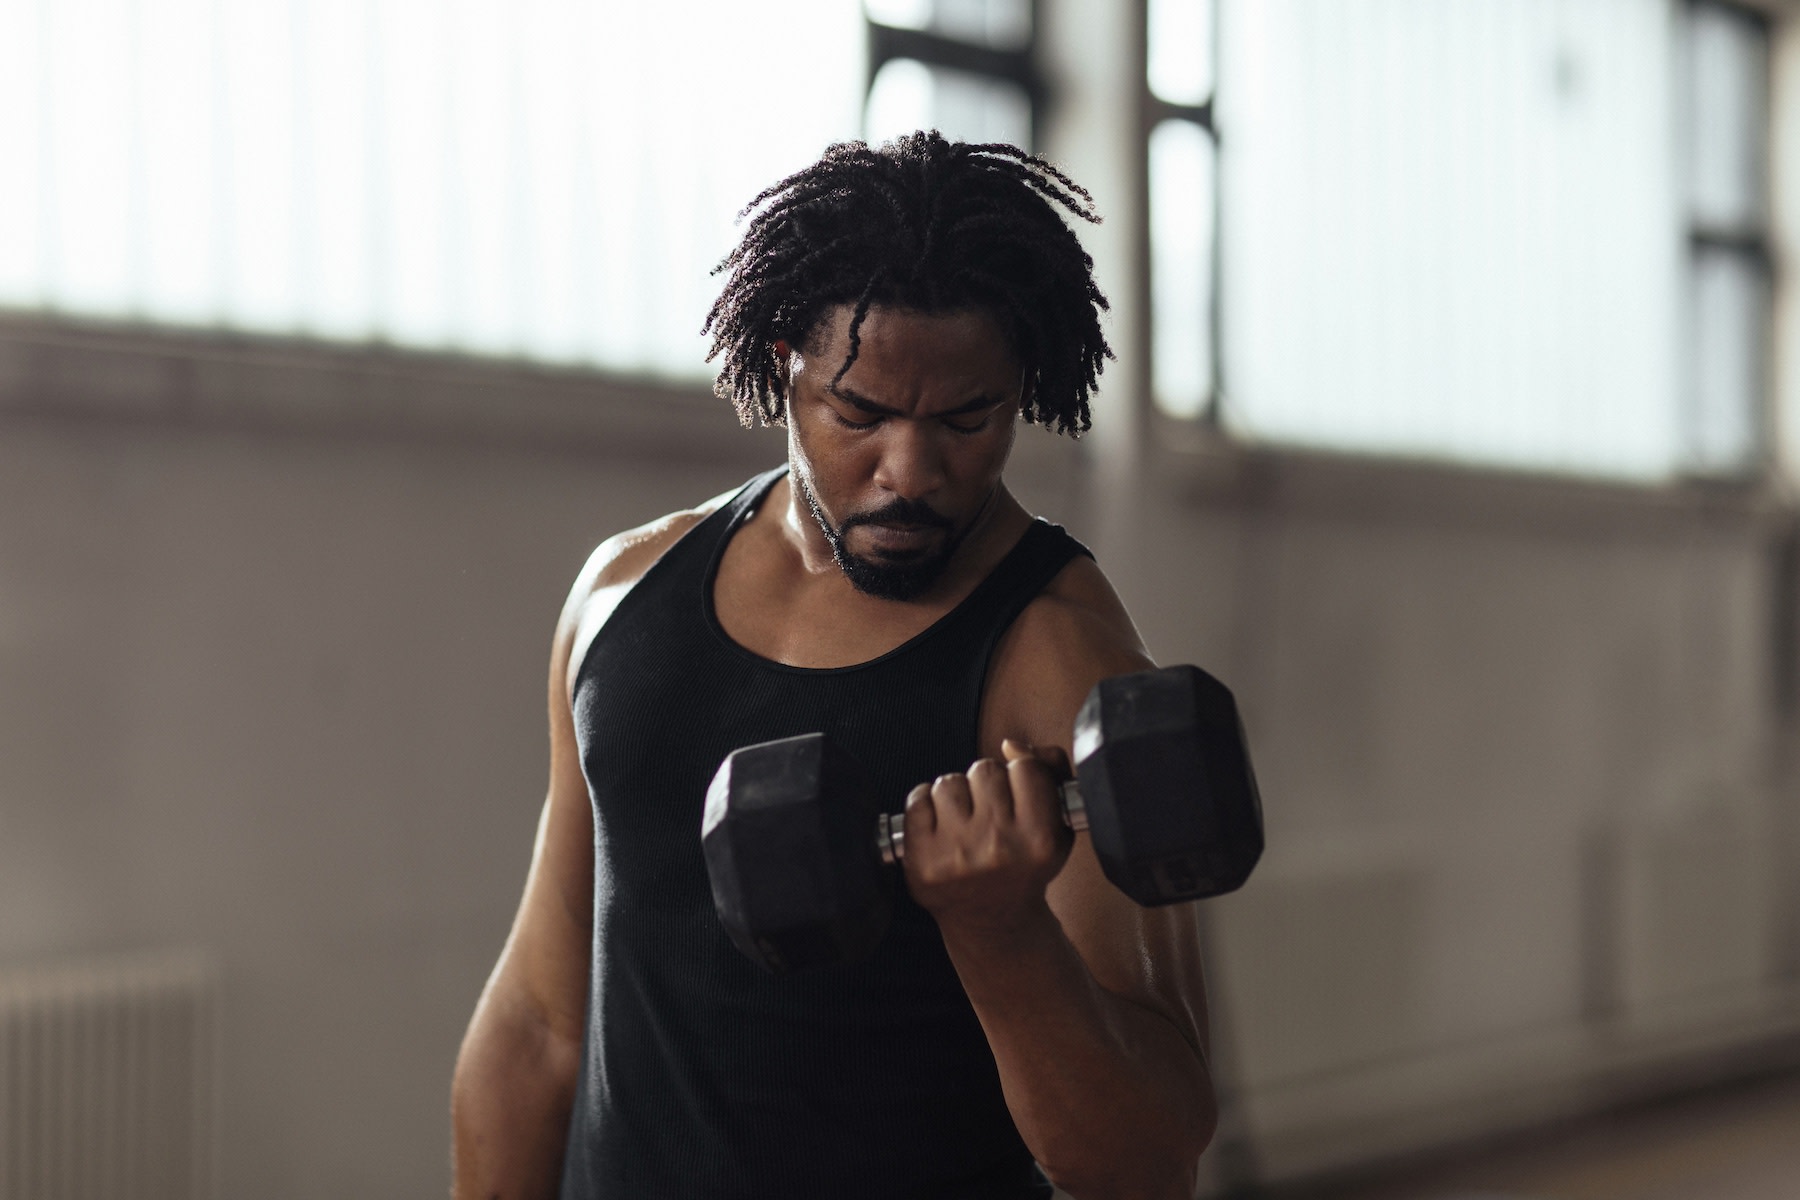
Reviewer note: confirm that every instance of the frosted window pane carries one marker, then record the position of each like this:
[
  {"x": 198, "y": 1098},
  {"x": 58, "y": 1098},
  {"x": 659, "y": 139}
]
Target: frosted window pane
[
  {"x": 487, "y": 54},
  {"x": 549, "y": 315},
  {"x": 1450, "y": 230},
  {"x": 183, "y": 168},
  {"x": 337, "y": 168},
  {"x": 908, "y": 95},
  {"x": 900, "y": 100},
  {"x": 413, "y": 251},
  {"x": 22, "y": 137},
  {"x": 1727, "y": 81},
  {"x": 261, "y": 256},
  {"x": 1181, "y": 230},
  {"x": 88, "y": 248},
  {"x": 1729, "y": 310},
  {"x": 901, "y": 14},
  {"x": 543, "y": 177},
  {"x": 1180, "y": 50},
  {"x": 1003, "y": 24}
]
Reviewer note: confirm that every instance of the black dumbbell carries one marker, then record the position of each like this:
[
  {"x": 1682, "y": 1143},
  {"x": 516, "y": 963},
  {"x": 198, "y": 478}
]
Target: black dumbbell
[{"x": 1162, "y": 785}]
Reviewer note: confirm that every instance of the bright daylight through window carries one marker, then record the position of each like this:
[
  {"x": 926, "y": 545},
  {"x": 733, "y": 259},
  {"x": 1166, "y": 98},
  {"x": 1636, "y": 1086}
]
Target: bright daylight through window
[
  {"x": 963, "y": 67},
  {"x": 1496, "y": 232},
  {"x": 1182, "y": 165},
  {"x": 507, "y": 178},
  {"x": 1463, "y": 237}
]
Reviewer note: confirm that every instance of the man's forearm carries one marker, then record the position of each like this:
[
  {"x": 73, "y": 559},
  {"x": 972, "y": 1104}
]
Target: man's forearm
[
  {"x": 514, "y": 1084},
  {"x": 1110, "y": 1098}
]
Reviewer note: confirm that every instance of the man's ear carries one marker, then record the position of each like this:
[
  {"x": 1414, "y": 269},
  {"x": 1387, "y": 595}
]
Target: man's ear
[{"x": 781, "y": 367}]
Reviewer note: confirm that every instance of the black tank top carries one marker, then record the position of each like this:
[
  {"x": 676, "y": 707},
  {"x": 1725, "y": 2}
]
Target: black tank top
[{"x": 703, "y": 1076}]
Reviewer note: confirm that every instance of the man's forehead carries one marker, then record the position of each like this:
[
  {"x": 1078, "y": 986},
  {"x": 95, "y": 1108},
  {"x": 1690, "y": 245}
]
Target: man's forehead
[
  {"x": 948, "y": 405},
  {"x": 969, "y": 327},
  {"x": 898, "y": 367}
]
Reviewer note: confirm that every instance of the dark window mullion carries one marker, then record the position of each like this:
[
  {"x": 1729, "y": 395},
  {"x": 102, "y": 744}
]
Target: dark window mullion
[
  {"x": 1016, "y": 66},
  {"x": 1752, "y": 244},
  {"x": 1157, "y": 110},
  {"x": 1747, "y": 242}
]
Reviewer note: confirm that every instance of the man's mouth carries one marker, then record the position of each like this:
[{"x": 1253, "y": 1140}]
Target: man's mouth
[{"x": 895, "y": 539}]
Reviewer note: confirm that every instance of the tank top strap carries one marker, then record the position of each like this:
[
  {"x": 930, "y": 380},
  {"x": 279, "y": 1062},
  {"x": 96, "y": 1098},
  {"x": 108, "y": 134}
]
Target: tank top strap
[
  {"x": 968, "y": 633},
  {"x": 748, "y": 499},
  {"x": 1036, "y": 558}
]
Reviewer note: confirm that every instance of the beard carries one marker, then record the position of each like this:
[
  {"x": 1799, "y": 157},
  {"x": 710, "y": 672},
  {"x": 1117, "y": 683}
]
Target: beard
[{"x": 887, "y": 579}]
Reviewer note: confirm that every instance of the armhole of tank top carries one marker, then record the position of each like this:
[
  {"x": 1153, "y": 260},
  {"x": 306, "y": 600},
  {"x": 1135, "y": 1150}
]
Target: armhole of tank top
[{"x": 723, "y": 520}]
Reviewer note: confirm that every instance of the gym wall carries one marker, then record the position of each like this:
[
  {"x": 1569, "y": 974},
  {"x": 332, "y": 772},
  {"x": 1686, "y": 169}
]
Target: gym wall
[{"x": 274, "y": 687}]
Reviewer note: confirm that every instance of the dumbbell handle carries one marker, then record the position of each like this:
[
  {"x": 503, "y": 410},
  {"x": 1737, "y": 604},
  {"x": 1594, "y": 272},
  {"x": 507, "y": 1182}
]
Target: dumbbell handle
[{"x": 890, "y": 828}]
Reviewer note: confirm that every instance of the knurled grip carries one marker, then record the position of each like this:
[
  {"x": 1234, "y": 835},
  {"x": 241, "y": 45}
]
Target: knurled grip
[{"x": 890, "y": 828}]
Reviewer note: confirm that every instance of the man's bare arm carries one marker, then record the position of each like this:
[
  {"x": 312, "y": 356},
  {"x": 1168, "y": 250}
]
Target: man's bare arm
[
  {"x": 515, "y": 1077},
  {"x": 1094, "y": 1007}
]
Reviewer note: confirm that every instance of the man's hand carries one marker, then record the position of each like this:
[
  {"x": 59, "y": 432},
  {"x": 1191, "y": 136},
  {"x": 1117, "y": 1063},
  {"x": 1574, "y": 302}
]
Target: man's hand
[
  {"x": 1110, "y": 1095},
  {"x": 982, "y": 846}
]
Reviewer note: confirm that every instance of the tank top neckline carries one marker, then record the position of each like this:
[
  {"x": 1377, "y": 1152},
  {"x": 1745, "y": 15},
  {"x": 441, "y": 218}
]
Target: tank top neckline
[{"x": 746, "y": 503}]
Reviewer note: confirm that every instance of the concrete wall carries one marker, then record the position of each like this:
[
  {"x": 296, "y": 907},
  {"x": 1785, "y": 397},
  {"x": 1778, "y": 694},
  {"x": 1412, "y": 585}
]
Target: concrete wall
[
  {"x": 1521, "y": 747},
  {"x": 273, "y": 630}
]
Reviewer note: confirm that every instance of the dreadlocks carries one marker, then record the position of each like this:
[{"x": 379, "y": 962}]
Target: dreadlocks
[{"x": 919, "y": 223}]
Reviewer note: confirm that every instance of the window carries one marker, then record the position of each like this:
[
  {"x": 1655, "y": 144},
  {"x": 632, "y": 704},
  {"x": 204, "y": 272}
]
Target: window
[
  {"x": 1454, "y": 231},
  {"x": 516, "y": 178},
  {"x": 1725, "y": 132},
  {"x": 1182, "y": 165},
  {"x": 963, "y": 67}
]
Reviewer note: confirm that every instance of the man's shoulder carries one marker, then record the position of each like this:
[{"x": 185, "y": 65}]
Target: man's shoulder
[
  {"x": 1078, "y": 618},
  {"x": 623, "y": 558},
  {"x": 1075, "y": 633},
  {"x": 615, "y": 565}
]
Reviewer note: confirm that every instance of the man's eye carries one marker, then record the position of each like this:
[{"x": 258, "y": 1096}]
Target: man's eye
[
  {"x": 847, "y": 423},
  {"x": 967, "y": 426}
]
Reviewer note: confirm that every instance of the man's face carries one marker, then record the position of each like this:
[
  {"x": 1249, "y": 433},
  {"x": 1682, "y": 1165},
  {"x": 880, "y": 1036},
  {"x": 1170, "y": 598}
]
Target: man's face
[{"x": 898, "y": 460}]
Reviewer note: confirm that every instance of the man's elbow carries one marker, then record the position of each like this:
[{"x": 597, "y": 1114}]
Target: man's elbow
[
  {"x": 1164, "y": 1181},
  {"x": 1166, "y": 1168}
]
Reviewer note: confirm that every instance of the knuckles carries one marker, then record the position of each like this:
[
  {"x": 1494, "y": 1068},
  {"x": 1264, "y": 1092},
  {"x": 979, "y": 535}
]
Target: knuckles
[
  {"x": 985, "y": 770},
  {"x": 989, "y": 841}
]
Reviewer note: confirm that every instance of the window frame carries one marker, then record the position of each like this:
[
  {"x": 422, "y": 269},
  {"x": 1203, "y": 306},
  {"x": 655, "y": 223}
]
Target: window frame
[
  {"x": 1153, "y": 111},
  {"x": 1018, "y": 65},
  {"x": 1750, "y": 243}
]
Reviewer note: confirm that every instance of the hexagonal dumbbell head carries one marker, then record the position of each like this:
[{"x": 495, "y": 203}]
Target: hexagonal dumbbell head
[
  {"x": 1171, "y": 802},
  {"x": 788, "y": 837}
]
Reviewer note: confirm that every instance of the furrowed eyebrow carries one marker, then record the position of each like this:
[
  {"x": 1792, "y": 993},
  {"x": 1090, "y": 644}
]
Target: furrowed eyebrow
[{"x": 863, "y": 404}]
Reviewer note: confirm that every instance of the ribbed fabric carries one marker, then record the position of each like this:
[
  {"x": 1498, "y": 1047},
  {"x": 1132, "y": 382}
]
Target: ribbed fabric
[{"x": 704, "y": 1077}]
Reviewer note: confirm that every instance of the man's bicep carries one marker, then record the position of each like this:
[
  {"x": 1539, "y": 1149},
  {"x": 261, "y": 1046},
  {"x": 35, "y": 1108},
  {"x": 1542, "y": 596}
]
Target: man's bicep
[
  {"x": 1072, "y": 636},
  {"x": 1062, "y": 645}
]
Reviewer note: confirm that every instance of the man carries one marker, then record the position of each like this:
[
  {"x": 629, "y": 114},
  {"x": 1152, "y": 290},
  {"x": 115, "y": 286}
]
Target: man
[{"x": 899, "y": 310}]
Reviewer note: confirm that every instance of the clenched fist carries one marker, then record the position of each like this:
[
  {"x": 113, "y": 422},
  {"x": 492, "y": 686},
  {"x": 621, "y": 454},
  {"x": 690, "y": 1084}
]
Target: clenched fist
[{"x": 982, "y": 845}]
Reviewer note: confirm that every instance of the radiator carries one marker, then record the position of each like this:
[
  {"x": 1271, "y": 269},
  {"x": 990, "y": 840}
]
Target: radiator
[{"x": 107, "y": 1080}]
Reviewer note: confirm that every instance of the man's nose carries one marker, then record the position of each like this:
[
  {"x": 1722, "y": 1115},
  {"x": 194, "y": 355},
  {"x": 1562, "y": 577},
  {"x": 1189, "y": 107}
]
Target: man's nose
[{"x": 912, "y": 462}]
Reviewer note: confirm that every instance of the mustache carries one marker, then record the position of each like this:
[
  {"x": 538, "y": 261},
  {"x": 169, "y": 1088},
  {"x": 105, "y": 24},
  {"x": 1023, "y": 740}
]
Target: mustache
[{"x": 898, "y": 511}]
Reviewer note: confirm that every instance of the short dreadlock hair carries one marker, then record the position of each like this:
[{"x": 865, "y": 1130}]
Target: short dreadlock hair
[{"x": 918, "y": 223}]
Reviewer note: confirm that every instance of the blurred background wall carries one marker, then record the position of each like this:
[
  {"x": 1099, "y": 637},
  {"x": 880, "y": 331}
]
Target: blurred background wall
[{"x": 1451, "y": 425}]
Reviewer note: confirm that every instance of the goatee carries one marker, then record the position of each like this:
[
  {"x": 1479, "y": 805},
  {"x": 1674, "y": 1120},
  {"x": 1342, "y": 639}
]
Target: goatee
[{"x": 903, "y": 580}]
